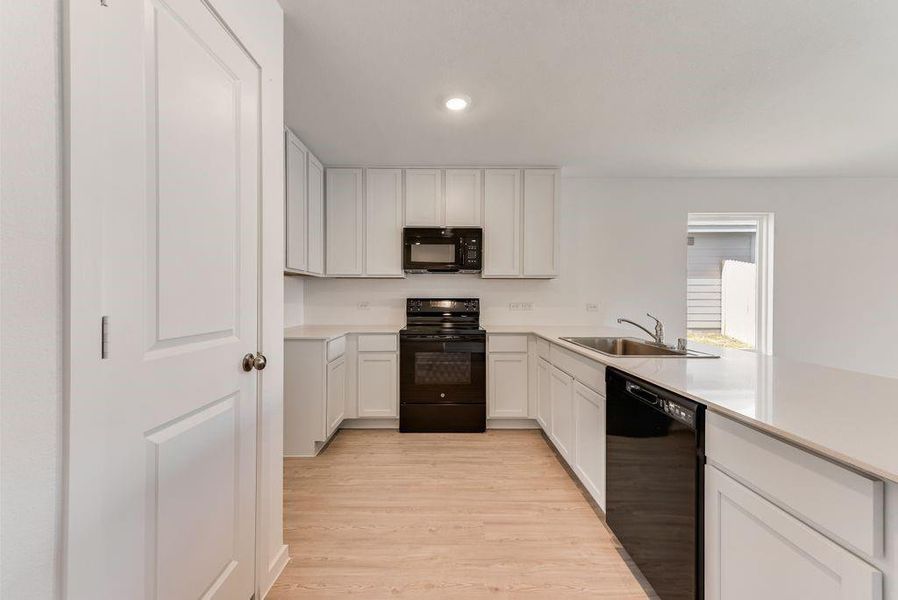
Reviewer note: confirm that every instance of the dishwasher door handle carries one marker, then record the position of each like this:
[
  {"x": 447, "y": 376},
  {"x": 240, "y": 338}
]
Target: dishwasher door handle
[{"x": 643, "y": 394}]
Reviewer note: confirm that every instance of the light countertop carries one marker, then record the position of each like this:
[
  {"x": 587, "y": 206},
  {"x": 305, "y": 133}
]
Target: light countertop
[
  {"x": 330, "y": 332},
  {"x": 846, "y": 416}
]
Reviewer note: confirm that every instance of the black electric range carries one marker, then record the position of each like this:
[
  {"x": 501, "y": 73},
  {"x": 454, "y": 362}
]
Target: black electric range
[{"x": 442, "y": 366}]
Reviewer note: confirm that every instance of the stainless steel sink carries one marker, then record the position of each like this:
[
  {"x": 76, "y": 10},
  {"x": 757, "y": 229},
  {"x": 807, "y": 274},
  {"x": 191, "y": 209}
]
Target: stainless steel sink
[{"x": 625, "y": 346}]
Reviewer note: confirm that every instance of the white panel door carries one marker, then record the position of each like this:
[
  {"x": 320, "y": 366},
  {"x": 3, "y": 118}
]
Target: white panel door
[
  {"x": 507, "y": 385},
  {"x": 424, "y": 198},
  {"x": 562, "y": 419},
  {"x": 336, "y": 394},
  {"x": 502, "y": 223},
  {"x": 378, "y": 384},
  {"x": 589, "y": 440},
  {"x": 316, "y": 216},
  {"x": 541, "y": 196},
  {"x": 753, "y": 549},
  {"x": 162, "y": 432},
  {"x": 345, "y": 221},
  {"x": 463, "y": 193},
  {"x": 544, "y": 394},
  {"x": 297, "y": 204},
  {"x": 383, "y": 223}
]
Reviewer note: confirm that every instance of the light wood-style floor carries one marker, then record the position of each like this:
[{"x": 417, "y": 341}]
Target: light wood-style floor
[{"x": 381, "y": 514}]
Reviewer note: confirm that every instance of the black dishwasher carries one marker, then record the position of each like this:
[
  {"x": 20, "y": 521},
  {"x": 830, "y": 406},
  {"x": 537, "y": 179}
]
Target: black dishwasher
[{"x": 655, "y": 444}]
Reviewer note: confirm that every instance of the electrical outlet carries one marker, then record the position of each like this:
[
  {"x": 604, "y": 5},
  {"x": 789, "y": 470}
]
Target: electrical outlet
[
  {"x": 590, "y": 307},
  {"x": 363, "y": 305}
]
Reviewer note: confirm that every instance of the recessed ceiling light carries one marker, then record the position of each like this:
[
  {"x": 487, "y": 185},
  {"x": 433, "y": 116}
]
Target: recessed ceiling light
[{"x": 458, "y": 103}]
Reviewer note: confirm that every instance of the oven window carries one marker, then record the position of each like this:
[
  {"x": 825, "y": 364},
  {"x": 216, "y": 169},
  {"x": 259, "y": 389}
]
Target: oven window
[
  {"x": 443, "y": 368},
  {"x": 433, "y": 253}
]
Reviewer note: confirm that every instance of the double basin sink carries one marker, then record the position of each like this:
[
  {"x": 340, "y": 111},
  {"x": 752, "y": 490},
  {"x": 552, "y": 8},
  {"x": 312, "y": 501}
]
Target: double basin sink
[{"x": 627, "y": 346}]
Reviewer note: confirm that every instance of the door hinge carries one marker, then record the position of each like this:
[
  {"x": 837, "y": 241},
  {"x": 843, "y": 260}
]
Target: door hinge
[{"x": 104, "y": 337}]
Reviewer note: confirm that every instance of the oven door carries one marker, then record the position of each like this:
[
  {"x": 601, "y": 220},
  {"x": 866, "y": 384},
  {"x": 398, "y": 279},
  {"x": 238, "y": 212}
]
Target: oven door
[{"x": 442, "y": 369}]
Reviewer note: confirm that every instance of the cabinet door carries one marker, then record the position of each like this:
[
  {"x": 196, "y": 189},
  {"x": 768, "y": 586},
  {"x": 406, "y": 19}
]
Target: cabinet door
[
  {"x": 589, "y": 440},
  {"x": 502, "y": 223},
  {"x": 463, "y": 206},
  {"x": 345, "y": 219},
  {"x": 383, "y": 222},
  {"x": 544, "y": 394},
  {"x": 336, "y": 394},
  {"x": 296, "y": 204},
  {"x": 541, "y": 194},
  {"x": 561, "y": 391},
  {"x": 507, "y": 385},
  {"x": 753, "y": 549},
  {"x": 378, "y": 384},
  {"x": 423, "y": 197},
  {"x": 316, "y": 216}
]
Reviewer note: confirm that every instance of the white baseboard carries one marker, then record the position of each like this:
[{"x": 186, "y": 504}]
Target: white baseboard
[
  {"x": 512, "y": 424},
  {"x": 275, "y": 568}
]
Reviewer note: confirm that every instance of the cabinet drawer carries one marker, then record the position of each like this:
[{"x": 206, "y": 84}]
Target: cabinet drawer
[
  {"x": 377, "y": 343},
  {"x": 829, "y": 497},
  {"x": 507, "y": 343},
  {"x": 585, "y": 370},
  {"x": 336, "y": 348},
  {"x": 542, "y": 348}
]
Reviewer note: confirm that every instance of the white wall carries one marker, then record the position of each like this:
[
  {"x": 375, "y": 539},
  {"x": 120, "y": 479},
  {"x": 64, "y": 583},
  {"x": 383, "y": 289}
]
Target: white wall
[
  {"x": 294, "y": 298},
  {"x": 624, "y": 248},
  {"x": 30, "y": 300}
]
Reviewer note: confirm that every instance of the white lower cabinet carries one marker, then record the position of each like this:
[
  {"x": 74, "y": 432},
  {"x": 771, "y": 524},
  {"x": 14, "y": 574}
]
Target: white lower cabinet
[
  {"x": 561, "y": 388},
  {"x": 315, "y": 393},
  {"x": 753, "y": 549},
  {"x": 336, "y": 393},
  {"x": 507, "y": 377},
  {"x": 544, "y": 394},
  {"x": 378, "y": 390},
  {"x": 589, "y": 441}
]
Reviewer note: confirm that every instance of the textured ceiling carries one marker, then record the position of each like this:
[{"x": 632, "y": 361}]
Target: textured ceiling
[{"x": 602, "y": 87}]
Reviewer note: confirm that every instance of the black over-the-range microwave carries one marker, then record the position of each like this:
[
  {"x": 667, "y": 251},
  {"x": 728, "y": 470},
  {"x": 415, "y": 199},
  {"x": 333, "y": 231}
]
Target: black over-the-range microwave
[{"x": 442, "y": 249}]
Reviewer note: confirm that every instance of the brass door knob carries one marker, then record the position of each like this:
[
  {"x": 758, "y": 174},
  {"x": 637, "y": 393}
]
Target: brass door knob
[{"x": 254, "y": 361}]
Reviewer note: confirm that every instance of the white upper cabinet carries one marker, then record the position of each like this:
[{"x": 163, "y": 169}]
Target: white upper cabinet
[
  {"x": 345, "y": 222},
  {"x": 502, "y": 223},
  {"x": 383, "y": 240},
  {"x": 316, "y": 216},
  {"x": 296, "y": 204},
  {"x": 304, "y": 205},
  {"x": 541, "y": 195},
  {"x": 463, "y": 193},
  {"x": 424, "y": 205}
]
